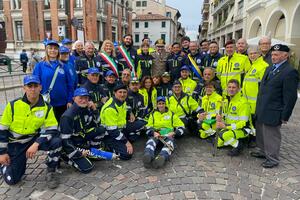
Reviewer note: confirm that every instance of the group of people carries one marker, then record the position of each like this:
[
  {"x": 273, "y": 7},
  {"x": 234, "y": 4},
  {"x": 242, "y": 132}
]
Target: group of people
[{"x": 78, "y": 98}]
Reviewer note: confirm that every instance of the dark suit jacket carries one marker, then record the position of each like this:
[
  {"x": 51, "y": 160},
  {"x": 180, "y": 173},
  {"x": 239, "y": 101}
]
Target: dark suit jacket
[{"x": 277, "y": 95}]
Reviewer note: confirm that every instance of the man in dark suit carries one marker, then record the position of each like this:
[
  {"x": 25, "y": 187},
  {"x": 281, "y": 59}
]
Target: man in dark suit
[{"x": 275, "y": 102}]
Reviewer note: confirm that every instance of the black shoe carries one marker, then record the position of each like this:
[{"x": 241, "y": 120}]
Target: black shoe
[
  {"x": 159, "y": 162},
  {"x": 269, "y": 164},
  {"x": 257, "y": 155},
  {"x": 236, "y": 151},
  {"x": 52, "y": 180},
  {"x": 147, "y": 159}
]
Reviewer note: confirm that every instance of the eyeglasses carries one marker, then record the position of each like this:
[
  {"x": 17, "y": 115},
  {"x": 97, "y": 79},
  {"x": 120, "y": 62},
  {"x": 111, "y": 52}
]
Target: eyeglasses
[
  {"x": 30, "y": 85},
  {"x": 125, "y": 74}
]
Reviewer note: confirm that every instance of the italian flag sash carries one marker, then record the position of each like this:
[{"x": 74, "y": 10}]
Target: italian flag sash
[
  {"x": 128, "y": 60},
  {"x": 195, "y": 67},
  {"x": 110, "y": 62}
]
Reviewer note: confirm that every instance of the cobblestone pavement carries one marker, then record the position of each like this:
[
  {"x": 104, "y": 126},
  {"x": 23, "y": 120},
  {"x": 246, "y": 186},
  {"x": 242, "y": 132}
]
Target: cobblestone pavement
[{"x": 192, "y": 173}]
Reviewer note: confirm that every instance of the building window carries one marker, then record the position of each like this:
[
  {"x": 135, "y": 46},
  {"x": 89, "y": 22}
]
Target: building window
[
  {"x": 19, "y": 30},
  {"x": 146, "y": 35},
  {"x": 46, "y": 4},
  {"x": 78, "y": 3},
  {"x": 103, "y": 30},
  {"x": 146, "y": 24},
  {"x": 163, "y": 24},
  {"x": 1, "y": 4},
  {"x": 137, "y": 24},
  {"x": 163, "y": 36},
  {"x": 48, "y": 25},
  {"x": 61, "y": 4},
  {"x": 168, "y": 14},
  {"x": 138, "y": 4},
  {"x": 144, "y": 3},
  {"x": 16, "y": 4},
  {"x": 114, "y": 33},
  {"x": 137, "y": 38}
]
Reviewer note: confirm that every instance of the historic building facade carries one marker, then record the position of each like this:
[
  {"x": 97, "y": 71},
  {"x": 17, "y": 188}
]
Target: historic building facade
[{"x": 28, "y": 22}]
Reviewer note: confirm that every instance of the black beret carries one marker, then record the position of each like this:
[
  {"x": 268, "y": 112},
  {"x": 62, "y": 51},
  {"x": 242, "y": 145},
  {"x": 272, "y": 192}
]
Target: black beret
[
  {"x": 120, "y": 87},
  {"x": 280, "y": 47}
]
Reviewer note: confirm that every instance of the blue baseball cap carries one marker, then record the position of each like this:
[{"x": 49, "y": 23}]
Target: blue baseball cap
[
  {"x": 52, "y": 42},
  {"x": 81, "y": 92},
  {"x": 185, "y": 68},
  {"x": 63, "y": 49},
  {"x": 31, "y": 79},
  {"x": 161, "y": 98},
  {"x": 93, "y": 70},
  {"x": 109, "y": 73},
  {"x": 66, "y": 41}
]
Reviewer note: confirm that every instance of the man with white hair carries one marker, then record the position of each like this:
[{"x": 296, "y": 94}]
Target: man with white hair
[
  {"x": 265, "y": 46},
  {"x": 251, "y": 82},
  {"x": 275, "y": 102},
  {"x": 86, "y": 61}
]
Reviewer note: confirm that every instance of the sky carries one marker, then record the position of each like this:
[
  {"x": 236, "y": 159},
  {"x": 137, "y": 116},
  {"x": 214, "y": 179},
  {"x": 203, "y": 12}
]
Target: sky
[{"x": 190, "y": 15}]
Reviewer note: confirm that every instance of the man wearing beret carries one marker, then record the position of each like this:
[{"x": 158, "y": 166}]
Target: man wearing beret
[{"x": 275, "y": 102}]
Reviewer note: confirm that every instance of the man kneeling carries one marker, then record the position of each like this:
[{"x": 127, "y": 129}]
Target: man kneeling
[
  {"x": 20, "y": 138},
  {"x": 162, "y": 126},
  {"x": 80, "y": 131}
]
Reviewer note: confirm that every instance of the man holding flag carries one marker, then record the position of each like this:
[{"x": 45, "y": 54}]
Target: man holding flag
[{"x": 126, "y": 55}]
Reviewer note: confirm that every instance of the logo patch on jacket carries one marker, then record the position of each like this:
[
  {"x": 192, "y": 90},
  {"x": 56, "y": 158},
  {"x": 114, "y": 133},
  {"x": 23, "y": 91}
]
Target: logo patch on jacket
[
  {"x": 39, "y": 114},
  {"x": 213, "y": 105},
  {"x": 61, "y": 71},
  {"x": 234, "y": 108},
  {"x": 167, "y": 117}
]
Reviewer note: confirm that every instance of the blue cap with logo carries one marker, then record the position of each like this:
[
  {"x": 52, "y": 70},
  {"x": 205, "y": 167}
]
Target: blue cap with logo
[
  {"x": 93, "y": 70},
  {"x": 81, "y": 92},
  {"x": 110, "y": 73},
  {"x": 161, "y": 98},
  {"x": 31, "y": 79},
  {"x": 185, "y": 68},
  {"x": 52, "y": 42},
  {"x": 63, "y": 49},
  {"x": 66, "y": 41}
]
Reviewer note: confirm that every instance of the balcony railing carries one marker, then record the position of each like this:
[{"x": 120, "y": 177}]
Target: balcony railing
[{"x": 221, "y": 4}]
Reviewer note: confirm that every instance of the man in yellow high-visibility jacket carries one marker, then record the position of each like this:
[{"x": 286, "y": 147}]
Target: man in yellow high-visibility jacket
[
  {"x": 236, "y": 123},
  {"x": 252, "y": 80},
  {"x": 232, "y": 66},
  {"x": 21, "y": 138}
]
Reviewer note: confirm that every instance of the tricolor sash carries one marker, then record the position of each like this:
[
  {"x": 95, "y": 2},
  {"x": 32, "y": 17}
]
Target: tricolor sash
[
  {"x": 113, "y": 65},
  {"x": 195, "y": 67},
  {"x": 128, "y": 60}
]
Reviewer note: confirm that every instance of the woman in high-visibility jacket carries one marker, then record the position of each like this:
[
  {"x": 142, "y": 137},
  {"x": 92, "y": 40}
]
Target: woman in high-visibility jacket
[{"x": 149, "y": 93}]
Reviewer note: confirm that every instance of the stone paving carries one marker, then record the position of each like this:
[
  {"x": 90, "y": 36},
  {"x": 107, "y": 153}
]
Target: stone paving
[{"x": 192, "y": 173}]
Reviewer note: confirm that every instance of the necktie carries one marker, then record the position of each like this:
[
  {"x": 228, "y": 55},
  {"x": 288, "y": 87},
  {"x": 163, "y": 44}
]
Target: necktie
[{"x": 272, "y": 72}]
